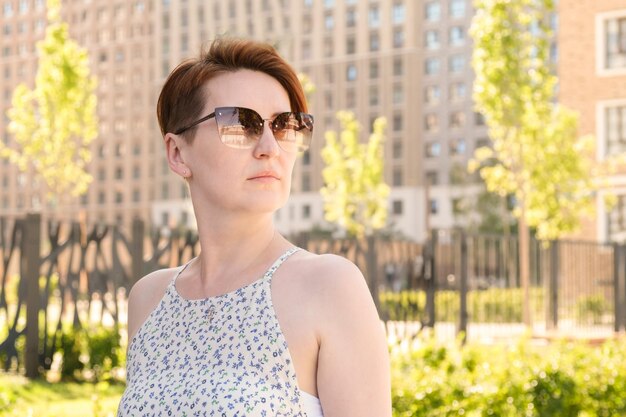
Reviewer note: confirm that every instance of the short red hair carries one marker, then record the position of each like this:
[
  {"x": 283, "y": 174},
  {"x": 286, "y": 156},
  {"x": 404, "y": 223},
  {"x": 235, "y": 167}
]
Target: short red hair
[{"x": 182, "y": 96}]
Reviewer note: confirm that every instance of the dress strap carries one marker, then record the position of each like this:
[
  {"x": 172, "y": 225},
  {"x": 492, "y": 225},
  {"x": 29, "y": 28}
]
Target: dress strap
[
  {"x": 280, "y": 261},
  {"x": 180, "y": 270}
]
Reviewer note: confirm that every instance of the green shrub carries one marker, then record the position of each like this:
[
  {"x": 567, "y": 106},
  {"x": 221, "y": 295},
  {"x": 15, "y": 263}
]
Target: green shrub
[
  {"x": 495, "y": 305},
  {"x": 563, "y": 379},
  {"x": 591, "y": 308}
]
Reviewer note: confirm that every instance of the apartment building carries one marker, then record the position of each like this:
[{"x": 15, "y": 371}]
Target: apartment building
[
  {"x": 408, "y": 61},
  {"x": 592, "y": 76}
]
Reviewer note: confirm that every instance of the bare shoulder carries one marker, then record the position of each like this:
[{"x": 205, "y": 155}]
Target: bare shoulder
[
  {"x": 334, "y": 284},
  {"x": 330, "y": 272},
  {"x": 145, "y": 295}
]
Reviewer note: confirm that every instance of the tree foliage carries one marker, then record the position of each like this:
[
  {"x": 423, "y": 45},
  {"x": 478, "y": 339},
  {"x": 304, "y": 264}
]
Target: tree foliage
[
  {"x": 54, "y": 123},
  {"x": 355, "y": 194},
  {"x": 537, "y": 154}
]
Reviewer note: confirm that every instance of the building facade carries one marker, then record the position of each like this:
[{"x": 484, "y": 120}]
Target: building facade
[
  {"x": 405, "y": 60},
  {"x": 592, "y": 79}
]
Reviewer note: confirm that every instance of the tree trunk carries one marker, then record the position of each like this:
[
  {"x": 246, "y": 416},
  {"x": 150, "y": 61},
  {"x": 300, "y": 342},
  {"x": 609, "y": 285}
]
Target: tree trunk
[{"x": 524, "y": 256}]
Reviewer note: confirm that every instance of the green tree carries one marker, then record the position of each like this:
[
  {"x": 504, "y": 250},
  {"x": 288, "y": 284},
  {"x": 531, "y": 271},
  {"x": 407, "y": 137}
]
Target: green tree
[
  {"x": 355, "y": 193},
  {"x": 537, "y": 155},
  {"x": 54, "y": 123}
]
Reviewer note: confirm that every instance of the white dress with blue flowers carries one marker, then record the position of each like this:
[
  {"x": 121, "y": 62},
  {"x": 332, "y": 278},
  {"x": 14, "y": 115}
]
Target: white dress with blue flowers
[{"x": 222, "y": 356}]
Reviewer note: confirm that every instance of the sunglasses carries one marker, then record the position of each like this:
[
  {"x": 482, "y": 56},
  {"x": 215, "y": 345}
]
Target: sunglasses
[{"x": 239, "y": 127}]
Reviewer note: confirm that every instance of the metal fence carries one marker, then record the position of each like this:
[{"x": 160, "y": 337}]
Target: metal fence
[
  {"x": 576, "y": 288},
  {"x": 64, "y": 275},
  {"x": 57, "y": 275}
]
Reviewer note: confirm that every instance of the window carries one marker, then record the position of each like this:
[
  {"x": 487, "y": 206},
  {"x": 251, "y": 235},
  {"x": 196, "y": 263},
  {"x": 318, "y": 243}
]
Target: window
[
  {"x": 431, "y": 122},
  {"x": 432, "y": 178},
  {"x": 397, "y": 122},
  {"x": 306, "y": 211},
  {"x": 457, "y": 8},
  {"x": 306, "y": 50},
  {"x": 329, "y": 3},
  {"x": 328, "y": 99},
  {"x": 373, "y": 17},
  {"x": 396, "y": 207},
  {"x": 184, "y": 18},
  {"x": 373, "y": 95},
  {"x": 457, "y": 63},
  {"x": 457, "y": 36},
  {"x": 612, "y": 54},
  {"x": 119, "y": 197},
  {"x": 306, "y": 182},
  {"x": 479, "y": 119},
  {"x": 613, "y": 129},
  {"x": 398, "y": 94},
  {"x": 432, "y": 94},
  {"x": 329, "y": 21},
  {"x": 7, "y": 9},
  {"x": 434, "y": 207},
  {"x": 397, "y": 14},
  {"x": 433, "y": 11},
  {"x": 432, "y": 39},
  {"x": 329, "y": 74},
  {"x": 351, "y": 72},
  {"x": 23, "y": 6},
  {"x": 432, "y": 66},
  {"x": 374, "y": 41},
  {"x": 398, "y": 67},
  {"x": 350, "y": 98},
  {"x": 398, "y": 38},
  {"x": 373, "y": 69},
  {"x": 458, "y": 91},
  {"x": 458, "y": 147},
  {"x": 397, "y": 150},
  {"x": 328, "y": 47},
  {"x": 306, "y": 158},
  {"x": 350, "y": 45},
  {"x": 482, "y": 142},
  {"x": 433, "y": 149},
  {"x": 396, "y": 179},
  {"x": 617, "y": 217},
  {"x": 457, "y": 119},
  {"x": 350, "y": 18}
]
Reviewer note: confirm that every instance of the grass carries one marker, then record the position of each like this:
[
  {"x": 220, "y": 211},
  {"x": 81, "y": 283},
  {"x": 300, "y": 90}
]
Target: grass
[{"x": 21, "y": 397}]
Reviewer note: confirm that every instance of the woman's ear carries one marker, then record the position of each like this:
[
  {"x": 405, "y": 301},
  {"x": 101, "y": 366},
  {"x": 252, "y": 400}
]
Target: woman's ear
[{"x": 173, "y": 149}]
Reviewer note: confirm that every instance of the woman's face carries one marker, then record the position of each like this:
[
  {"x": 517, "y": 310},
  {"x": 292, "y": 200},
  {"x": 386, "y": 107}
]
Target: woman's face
[{"x": 252, "y": 180}]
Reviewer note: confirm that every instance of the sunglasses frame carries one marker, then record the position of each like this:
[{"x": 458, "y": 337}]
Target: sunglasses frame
[{"x": 238, "y": 108}]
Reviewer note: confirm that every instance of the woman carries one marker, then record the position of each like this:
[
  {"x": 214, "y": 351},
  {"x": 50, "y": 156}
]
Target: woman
[{"x": 253, "y": 326}]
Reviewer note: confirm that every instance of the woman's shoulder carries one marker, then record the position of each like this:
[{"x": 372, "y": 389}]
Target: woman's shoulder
[
  {"x": 145, "y": 295},
  {"x": 330, "y": 278},
  {"x": 153, "y": 283}
]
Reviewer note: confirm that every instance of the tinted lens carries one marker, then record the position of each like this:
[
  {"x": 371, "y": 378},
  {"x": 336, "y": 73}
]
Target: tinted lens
[
  {"x": 293, "y": 131},
  {"x": 238, "y": 127}
]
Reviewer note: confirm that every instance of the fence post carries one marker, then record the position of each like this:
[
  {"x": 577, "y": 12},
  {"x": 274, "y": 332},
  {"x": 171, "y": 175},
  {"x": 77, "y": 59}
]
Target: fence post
[
  {"x": 372, "y": 270},
  {"x": 137, "y": 250},
  {"x": 553, "y": 287},
  {"x": 463, "y": 288},
  {"x": 431, "y": 280},
  {"x": 31, "y": 261},
  {"x": 617, "y": 294}
]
